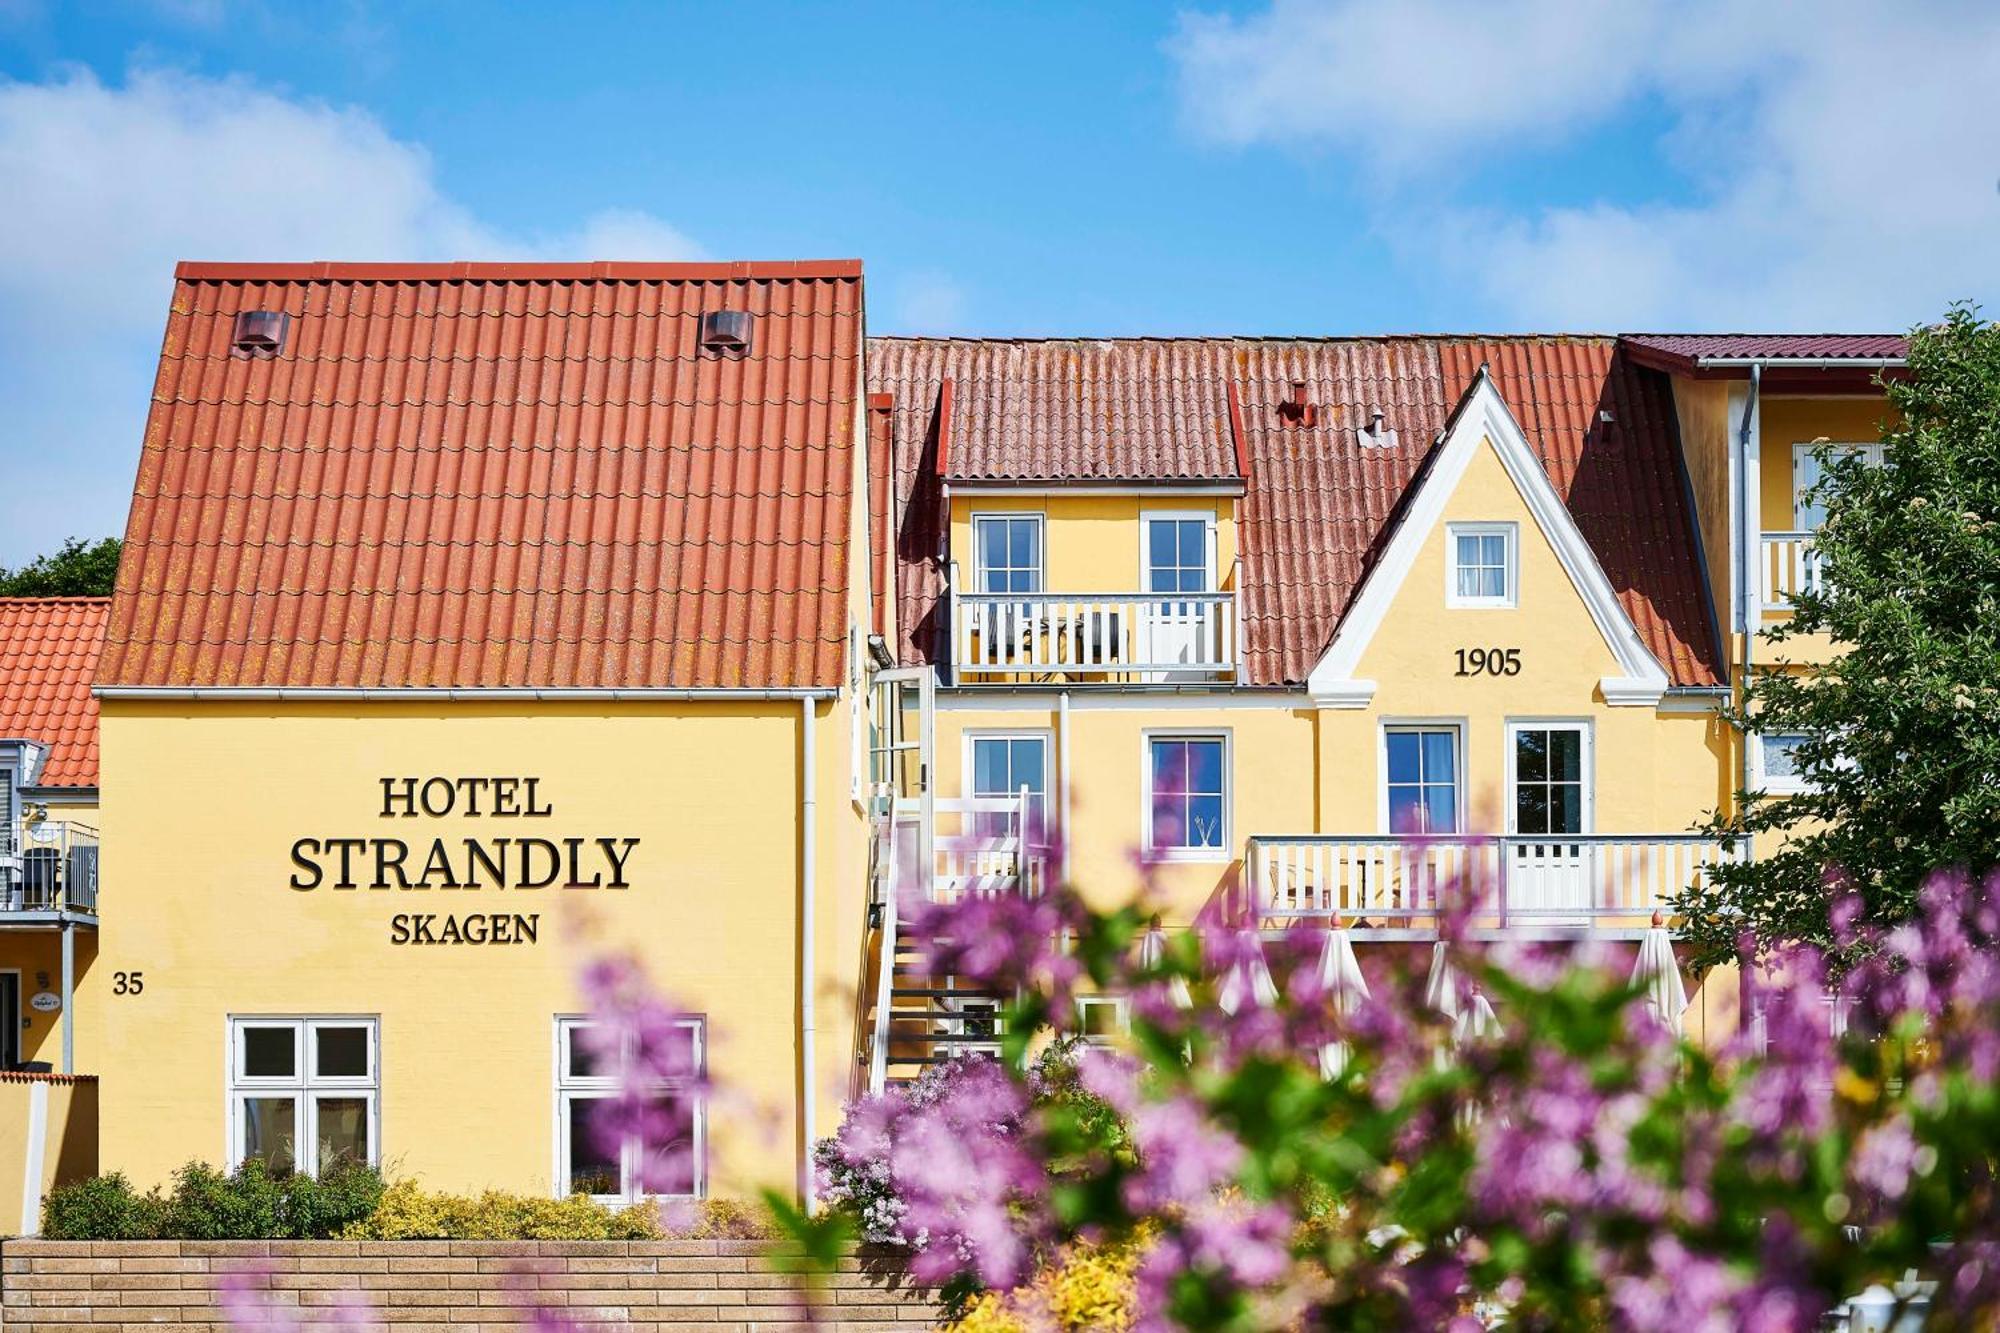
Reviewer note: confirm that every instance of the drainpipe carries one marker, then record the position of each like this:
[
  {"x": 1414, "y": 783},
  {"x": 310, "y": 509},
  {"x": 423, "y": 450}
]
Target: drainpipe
[
  {"x": 1062, "y": 762},
  {"x": 808, "y": 973},
  {"x": 69, "y": 996},
  {"x": 1749, "y": 589}
]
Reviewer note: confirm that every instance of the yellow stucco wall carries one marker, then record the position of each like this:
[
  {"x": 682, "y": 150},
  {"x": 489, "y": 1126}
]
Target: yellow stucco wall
[
  {"x": 1300, "y": 770},
  {"x": 1092, "y": 542},
  {"x": 208, "y": 799},
  {"x": 37, "y": 955},
  {"x": 67, "y": 1150}
]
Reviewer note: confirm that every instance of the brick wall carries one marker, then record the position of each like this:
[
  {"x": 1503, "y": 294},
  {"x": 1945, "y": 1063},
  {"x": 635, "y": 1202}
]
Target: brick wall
[{"x": 440, "y": 1286}]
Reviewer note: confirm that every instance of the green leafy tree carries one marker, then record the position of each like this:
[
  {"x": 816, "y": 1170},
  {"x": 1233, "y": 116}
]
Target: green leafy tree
[
  {"x": 79, "y": 569},
  {"x": 1899, "y": 734}
]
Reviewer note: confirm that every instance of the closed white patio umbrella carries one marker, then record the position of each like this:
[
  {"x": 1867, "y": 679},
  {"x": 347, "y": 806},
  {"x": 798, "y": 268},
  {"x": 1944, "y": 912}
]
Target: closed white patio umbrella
[
  {"x": 1249, "y": 977},
  {"x": 1660, "y": 975},
  {"x": 1340, "y": 978},
  {"x": 1152, "y": 953},
  {"x": 1441, "y": 986}
]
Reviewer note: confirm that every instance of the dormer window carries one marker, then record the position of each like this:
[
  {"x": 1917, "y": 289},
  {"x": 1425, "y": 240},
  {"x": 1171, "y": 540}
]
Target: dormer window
[
  {"x": 1482, "y": 566},
  {"x": 1009, "y": 552}
]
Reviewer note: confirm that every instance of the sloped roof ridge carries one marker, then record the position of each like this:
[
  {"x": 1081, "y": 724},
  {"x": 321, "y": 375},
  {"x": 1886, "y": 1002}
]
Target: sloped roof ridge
[
  {"x": 1315, "y": 339},
  {"x": 321, "y": 270}
]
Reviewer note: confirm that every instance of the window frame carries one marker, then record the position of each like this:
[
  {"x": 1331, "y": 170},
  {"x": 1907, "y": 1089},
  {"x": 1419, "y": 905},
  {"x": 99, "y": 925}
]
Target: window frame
[
  {"x": 1510, "y": 534},
  {"x": 1222, "y": 851},
  {"x": 1586, "y": 761},
  {"x": 1121, "y": 1025},
  {"x": 1458, "y": 729},
  {"x": 306, "y": 1088},
  {"x": 968, "y": 773},
  {"x": 1041, "y": 567},
  {"x": 1206, "y": 518},
  {"x": 1795, "y": 785},
  {"x": 1872, "y": 452},
  {"x": 567, "y": 1090}
]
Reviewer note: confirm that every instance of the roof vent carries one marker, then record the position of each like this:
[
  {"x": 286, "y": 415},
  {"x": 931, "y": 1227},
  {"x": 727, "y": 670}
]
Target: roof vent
[
  {"x": 1378, "y": 433},
  {"x": 1296, "y": 410},
  {"x": 259, "y": 332},
  {"x": 725, "y": 330}
]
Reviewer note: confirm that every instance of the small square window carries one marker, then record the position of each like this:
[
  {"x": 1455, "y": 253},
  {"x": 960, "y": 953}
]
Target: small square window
[
  {"x": 270, "y": 1052},
  {"x": 1778, "y": 769},
  {"x": 1482, "y": 568},
  {"x": 1102, "y": 1019},
  {"x": 340, "y": 1052}
]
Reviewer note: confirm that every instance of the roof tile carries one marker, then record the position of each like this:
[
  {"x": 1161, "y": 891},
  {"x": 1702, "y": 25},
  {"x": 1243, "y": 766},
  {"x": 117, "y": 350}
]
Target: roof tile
[
  {"x": 495, "y": 475},
  {"x": 48, "y": 657}
]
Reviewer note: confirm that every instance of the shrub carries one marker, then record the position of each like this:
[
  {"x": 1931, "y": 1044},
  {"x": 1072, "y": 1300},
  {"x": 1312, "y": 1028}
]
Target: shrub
[
  {"x": 102, "y": 1208},
  {"x": 206, "y": 1204},
  {"x": 407, "y": 1211},
  {"x": 1085, "y": 1288},
  {"x": 335, "y": 1201},
  {"x": 249, "y": 1203}
]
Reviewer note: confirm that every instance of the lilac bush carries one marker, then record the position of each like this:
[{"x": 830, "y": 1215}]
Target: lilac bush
[{"x": 1555, "y": 1156}]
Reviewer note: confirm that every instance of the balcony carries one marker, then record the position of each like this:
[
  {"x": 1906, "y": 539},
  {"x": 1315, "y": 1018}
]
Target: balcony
[
  {"x": 1388, "y": 886},
  {"x": 1788, "y": 565},
  {"x": 1109, "y": 637},
  {"x": 48, "y": 870}
]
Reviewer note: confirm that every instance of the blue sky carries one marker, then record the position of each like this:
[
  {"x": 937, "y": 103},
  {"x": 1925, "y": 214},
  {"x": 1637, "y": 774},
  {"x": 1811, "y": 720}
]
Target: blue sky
[{"x": 1054, "y": 169}]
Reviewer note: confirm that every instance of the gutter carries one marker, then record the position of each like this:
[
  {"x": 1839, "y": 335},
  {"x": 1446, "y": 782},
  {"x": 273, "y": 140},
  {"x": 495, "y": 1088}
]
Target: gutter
[
  {"x": 1756, "y": 364},
  {"x": 370, "y": 694}
]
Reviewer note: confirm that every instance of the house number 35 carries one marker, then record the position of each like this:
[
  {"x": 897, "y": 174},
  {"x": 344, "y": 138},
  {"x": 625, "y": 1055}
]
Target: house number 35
[
  {"x": 1489, "y": 662},
  {"x": 127, "y": 983}
]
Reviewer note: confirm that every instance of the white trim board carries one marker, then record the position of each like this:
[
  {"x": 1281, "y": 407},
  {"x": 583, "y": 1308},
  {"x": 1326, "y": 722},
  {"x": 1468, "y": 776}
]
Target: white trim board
[{"x": 1482, "y": 415}]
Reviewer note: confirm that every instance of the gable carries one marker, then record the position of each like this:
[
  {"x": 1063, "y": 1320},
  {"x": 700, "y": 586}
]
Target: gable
[{"x": 1482, "y": 428}]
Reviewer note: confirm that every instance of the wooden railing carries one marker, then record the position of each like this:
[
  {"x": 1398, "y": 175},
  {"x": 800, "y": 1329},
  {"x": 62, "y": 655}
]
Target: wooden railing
[
  {"x": 1165, "y": 636},
  {"x": 1391, "y": 881},
  {"x": 1789, "y": 565},
  {"x": 49, "y": 866}
]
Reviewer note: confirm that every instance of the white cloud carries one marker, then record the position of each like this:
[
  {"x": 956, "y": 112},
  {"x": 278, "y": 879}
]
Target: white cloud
[
  {"x": 1836, "y": 165},
  {"x": 110, "y": 185}
]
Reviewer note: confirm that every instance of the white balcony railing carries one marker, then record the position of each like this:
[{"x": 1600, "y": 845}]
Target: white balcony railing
[
  {"x": 1789, "y": 565},
  {"x": 978, "y": 847},
  {"x": 49, "y": 866},
  {"x": 1395, "y": 882},
  {"x": 1178, "y": 636}
]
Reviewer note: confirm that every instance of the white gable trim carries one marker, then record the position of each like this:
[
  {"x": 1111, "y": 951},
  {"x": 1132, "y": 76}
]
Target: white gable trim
[{"x": 1483, "y": 415}]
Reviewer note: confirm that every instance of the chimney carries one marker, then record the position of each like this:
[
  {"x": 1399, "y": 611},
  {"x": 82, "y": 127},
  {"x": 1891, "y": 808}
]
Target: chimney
[
  {"x": 1295, "y": 410},
  {"x": 1378, "y": 433}
]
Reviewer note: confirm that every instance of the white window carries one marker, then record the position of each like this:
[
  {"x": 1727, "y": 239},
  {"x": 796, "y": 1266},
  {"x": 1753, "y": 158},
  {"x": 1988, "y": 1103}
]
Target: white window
[
  {"x": 1482, "y": 568},
  {"x": 619, "y": 1173},
  {"x": 1179, "y": 552},
  {"x": 1421, "y": 793},
  {"x": 1102, "y": 1019},
  {"x": 1809, "y": 511},
  {"x": 1550, "y": 778},
  {"x": 1778, "y": 771},
  {"x": 311, "y": 1081},
  {"x": 1187, "y": 796},
  {"x": 1007, "y": 549},
  {"x": 1001, "y": 764}
]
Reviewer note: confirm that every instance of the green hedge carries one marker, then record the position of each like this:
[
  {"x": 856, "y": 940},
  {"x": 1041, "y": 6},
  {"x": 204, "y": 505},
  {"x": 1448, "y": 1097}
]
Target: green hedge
[
  {"x": 353, "y": 1203},
  {"x": 248, "y": 1203}
]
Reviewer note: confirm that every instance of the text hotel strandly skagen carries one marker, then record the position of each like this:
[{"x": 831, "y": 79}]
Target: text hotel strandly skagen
[{"x": 465, "y": 864}]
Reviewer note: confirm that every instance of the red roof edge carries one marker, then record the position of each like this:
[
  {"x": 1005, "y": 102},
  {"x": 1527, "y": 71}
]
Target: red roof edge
[
  {"x": 944, "y": 429},
  {"x": 322, "y": 270},
  {"x": 1237, "y": 437}
]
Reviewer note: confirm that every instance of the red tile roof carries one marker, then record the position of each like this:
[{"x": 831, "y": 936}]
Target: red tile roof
[
  {"x": 1688, "y": 348},
  {"x": 1134, "y": 410},
  {"x": 48, "y": 655},
  {"x": 495, "y": 475},
  {"x": 1317, "y": 505}
]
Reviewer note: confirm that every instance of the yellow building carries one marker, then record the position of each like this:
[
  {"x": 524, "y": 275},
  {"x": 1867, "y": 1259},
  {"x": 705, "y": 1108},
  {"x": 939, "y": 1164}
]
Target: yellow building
[{"x": 477, "y": 621}]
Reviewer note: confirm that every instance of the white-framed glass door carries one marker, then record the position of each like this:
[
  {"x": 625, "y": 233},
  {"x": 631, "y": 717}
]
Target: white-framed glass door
[
  {"x": 1177, "y": 551},
  {"x": 1550, "y": 801},
  {"x": 902, "y": 748}
]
